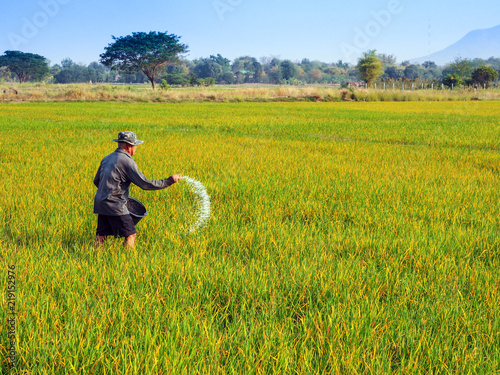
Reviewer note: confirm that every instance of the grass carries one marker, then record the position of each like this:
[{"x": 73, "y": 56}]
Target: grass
[
  {"x": 345, "y": 238},
  {"x": 242, "y": 93}
]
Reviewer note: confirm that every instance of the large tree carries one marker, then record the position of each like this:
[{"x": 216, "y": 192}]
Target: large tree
[
  {"x": 222, "y": 61},
  {"x": 206, "y": 68},
  {"x": 412, "y": 71},
  {"x": 247, "y": 66},
  {"x": 387, "y": 60},
  {"x": 393, "y": 72},
  {"x": 452, "y": 80},
  {"x": 429, "y": 64},
  {"x": 288, "y": 69},
  {"x": 484, "y": 75},
  {"x": 146, "y": 52},
  {"x": 25, "y": 65},
  {"x": 369, "y": 67},
  {"x": 462, "y": 67}
]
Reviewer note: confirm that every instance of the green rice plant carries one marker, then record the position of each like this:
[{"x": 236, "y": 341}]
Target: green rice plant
[{"x": 356, "y": 237}]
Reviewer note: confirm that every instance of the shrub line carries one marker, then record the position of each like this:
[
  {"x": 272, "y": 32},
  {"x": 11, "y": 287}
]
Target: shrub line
[{"x": 139, "y": 93}]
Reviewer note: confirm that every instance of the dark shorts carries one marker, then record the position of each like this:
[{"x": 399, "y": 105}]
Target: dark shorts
[{"x": 118, "y": 226}]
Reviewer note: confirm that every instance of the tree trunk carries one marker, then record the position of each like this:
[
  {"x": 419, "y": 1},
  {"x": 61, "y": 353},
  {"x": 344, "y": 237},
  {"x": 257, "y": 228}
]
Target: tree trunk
[
  {"x": 22, "y": 77},
  {"x": 151, "y": 76}
]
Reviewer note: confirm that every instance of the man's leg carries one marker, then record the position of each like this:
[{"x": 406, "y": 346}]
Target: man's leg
[
  {"x": 103, "y": 230},
  {"x": 130, "y": 241},
  {"x": 118, "y": 226},
  {"x": 99, "y": 240}
]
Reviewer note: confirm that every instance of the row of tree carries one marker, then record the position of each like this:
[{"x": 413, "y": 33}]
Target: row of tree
[
  {"x": 156, "y": 57},
  {"x": 461, "y": 72}
]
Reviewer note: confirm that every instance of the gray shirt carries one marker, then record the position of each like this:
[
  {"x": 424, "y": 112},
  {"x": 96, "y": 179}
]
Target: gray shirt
[{"x": 113, "y": 178}]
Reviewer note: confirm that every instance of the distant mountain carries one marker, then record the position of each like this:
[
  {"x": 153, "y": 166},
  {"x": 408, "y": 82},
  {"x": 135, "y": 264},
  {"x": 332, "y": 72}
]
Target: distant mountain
[{"x": 482, "y": 44}]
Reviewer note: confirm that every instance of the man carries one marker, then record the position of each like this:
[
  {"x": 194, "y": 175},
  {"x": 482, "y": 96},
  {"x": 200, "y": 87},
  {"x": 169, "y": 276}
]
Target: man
[{"x": 113, "y": 178}]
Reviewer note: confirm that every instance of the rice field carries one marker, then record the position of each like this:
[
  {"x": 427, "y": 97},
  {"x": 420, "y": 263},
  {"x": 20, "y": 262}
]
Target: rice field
[{"x": 344, "y": 238}]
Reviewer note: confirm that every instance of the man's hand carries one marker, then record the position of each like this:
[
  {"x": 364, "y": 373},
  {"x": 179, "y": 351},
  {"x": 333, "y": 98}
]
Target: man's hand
[{"x": 176, "y": 177}]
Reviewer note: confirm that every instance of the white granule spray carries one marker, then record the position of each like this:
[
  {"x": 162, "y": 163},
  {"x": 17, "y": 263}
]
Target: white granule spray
[{"x": 202, "y": 202}]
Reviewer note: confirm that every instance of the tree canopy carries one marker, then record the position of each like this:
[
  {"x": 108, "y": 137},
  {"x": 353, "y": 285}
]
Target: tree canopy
[
  {"x": 483, "y": 75},
  {"x": 393, "y": 72},
  {"x": 452, "y": 80},
  {"x": 369, "y": 67},
  {"x": 288, "y": 69},
  {"x": 246, "y": 67},
  {"x": 25, "y": 65},
  {"x": 462, "y": 67},
  {"x": 429, "y": 64},
  {"x": 206, "y": 68},
  {"x": 412, "y": 71},
  {"x": 69, "y": 72},
  {"x": 146, "y": 52}
]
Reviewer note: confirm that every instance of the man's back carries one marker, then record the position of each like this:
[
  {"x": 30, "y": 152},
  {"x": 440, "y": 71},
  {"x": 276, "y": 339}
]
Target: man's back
[
  {"x": 113, "y": 184},
  {"x": 113, "y": 178}
]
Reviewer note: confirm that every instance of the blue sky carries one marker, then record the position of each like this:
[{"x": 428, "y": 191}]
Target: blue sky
[{"x": 293, "y": 29}]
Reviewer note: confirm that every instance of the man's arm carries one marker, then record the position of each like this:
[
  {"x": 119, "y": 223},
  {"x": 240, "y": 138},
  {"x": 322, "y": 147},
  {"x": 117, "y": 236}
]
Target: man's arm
[{"x": 141, "y": 181}]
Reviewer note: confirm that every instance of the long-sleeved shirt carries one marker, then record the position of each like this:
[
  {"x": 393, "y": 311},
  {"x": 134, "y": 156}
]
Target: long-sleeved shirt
[{"x": 113, "y": 178}]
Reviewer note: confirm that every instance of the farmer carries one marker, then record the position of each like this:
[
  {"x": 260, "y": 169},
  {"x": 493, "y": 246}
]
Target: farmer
[{"x": 113, "y": 178}]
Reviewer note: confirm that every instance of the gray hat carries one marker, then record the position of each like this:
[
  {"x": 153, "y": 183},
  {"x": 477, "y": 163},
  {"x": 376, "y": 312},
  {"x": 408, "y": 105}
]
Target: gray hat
[{"x": 128, "y": 137}]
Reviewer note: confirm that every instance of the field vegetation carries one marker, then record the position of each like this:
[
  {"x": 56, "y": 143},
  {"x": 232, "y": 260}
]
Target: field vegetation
[
  {"x": 347, "y": 238},
  {"x": 40, "y": 92}
]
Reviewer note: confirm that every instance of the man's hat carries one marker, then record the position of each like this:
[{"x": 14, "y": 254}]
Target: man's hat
[{"x": 128, "y": 137}]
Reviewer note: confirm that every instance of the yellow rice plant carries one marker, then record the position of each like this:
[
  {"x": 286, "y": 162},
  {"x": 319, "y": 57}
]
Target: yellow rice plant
[{"x": 350, "y": 237}]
